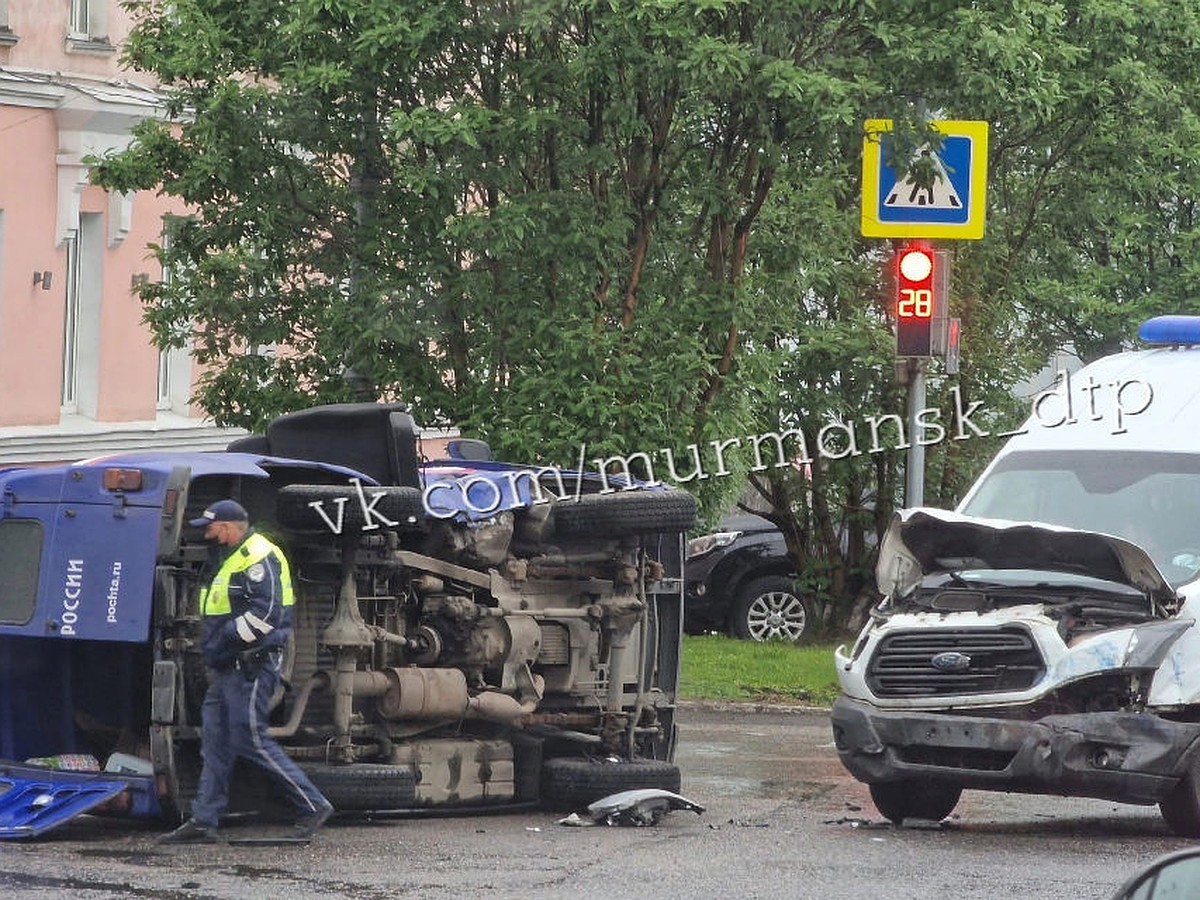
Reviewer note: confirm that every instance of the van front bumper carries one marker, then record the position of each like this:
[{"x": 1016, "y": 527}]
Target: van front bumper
[{"x": 1126, "y": 757}]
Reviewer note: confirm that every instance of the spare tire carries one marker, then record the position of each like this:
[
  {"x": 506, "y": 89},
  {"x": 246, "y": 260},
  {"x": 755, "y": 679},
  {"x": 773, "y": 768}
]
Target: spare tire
[
  {"x": 339, "y": 508},
  {"x": 571, "y": 783},
  {"x": 627, "y": 512}
]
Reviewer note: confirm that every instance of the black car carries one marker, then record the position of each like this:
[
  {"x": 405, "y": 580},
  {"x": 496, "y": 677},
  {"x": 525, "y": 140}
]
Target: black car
[{"x": 740, "y": 580}]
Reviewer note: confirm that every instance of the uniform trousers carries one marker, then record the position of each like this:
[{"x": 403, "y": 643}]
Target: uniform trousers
[{"x": 234, "y": 722}]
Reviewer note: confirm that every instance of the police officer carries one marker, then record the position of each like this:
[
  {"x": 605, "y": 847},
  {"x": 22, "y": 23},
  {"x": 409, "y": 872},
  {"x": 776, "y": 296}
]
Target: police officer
[{"x": 246, "y": 614}]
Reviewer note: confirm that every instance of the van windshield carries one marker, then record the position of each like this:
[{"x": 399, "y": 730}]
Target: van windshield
[{"x": 1151, "y": 499}]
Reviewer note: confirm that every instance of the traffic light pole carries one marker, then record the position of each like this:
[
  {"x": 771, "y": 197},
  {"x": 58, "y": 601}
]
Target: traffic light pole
[{"x": 914, "y": 469}]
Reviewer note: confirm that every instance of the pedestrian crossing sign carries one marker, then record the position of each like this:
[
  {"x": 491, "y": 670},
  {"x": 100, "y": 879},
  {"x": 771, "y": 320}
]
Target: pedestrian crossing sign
[{"x": 952, "y": 207}]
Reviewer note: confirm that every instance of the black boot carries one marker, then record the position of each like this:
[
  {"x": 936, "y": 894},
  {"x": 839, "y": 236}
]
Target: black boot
[
  {"x": 307, "y": 826},
  {"x": 191, "y": 832}
]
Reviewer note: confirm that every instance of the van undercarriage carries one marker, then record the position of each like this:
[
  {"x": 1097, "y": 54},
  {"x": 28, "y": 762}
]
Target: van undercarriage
[{"x": 522, "y": 648}]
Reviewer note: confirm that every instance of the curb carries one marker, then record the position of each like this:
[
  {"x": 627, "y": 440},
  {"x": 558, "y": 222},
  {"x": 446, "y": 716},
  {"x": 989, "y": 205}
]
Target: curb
[{"x": 752, "y": 706}]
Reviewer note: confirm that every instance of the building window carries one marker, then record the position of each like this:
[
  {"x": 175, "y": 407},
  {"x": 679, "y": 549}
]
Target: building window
[
  {"x": 175, "y": 363},
  {"x": 7, "y": 37},
  {"x": 80, "y": 20},
  {"x": 165, "y": 367},
  {"x": 165, "y": 372},
  {"x": 81, "y": 321},
  {"x": 88, "y": 27},
  {"x": 70, "y": 382}
]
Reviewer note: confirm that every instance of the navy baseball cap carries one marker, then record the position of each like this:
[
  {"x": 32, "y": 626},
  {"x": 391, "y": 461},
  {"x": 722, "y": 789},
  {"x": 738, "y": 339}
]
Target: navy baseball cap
[{"x": 222, "y": 511}]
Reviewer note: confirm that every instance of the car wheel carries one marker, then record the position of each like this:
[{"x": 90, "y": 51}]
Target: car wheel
[
  {"x": 769, "y": 609},
  {"x": 570, "y": 783},
  {"x": 915, "y": 798}
]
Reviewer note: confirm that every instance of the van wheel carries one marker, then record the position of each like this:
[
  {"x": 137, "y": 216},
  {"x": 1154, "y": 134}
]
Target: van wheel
[
  {"x": 625, "y": 513},
  {"x": 571, "y": 783},
  {"x": 300, "y": 507},
  {"x": 916, "y": 798},
  {"x": 769, "y": 609},
  {"x": 1181, "y": 808},
  {"x": 363, "y": 786}
]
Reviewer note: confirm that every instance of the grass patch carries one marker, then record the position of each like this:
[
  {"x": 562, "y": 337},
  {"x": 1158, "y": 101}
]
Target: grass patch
[{"x": 715, "y": 667}]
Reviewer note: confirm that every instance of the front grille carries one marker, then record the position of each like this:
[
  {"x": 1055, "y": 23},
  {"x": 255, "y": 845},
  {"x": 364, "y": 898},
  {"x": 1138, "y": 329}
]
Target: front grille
[{"x": 997, "y": 660}]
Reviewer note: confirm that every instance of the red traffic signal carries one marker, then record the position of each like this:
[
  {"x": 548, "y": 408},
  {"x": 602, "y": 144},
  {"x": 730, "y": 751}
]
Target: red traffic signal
[{"x": 915, "y": 300}]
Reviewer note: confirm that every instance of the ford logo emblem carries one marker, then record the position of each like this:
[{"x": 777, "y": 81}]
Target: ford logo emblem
[{"x": 953, "y": 661}]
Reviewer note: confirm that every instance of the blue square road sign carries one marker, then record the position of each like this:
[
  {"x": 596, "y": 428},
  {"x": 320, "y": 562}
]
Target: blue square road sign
[{"x": 952, "y": 207}]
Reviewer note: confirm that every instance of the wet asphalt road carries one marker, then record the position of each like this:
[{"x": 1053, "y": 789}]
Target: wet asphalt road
[{"x": 782, "y": 819}]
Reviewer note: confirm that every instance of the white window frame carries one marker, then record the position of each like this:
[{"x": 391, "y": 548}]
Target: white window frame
[
  {"x": 81, "y": 21},
  {"x": 82, "y": 317},
  {"x": 165, "y": 367},
  {"x": 174, "y": 364},
  {"x": 88, "y": 22},
  {"x": 70, "y": 370},
  {"x": 165, "y": 381}
]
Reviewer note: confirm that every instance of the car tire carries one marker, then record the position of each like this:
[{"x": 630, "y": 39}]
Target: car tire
[
  {"x": 915, "y": 798},
  {"x": 294, "y": 509},
  {"x": 571, "y": 783},
  {"x": 625, "y": 513},
  {"x": 769, "y": 609},
  {"x": 364, "y": 786}
]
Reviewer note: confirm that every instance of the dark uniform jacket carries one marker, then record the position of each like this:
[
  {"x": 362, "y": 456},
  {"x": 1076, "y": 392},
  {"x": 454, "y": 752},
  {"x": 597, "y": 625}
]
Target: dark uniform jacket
[{"x": 247, "y": 606}]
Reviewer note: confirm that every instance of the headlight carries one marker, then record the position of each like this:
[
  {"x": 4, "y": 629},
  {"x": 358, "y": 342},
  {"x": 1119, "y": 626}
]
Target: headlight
[{"x": 708, "y": 542}]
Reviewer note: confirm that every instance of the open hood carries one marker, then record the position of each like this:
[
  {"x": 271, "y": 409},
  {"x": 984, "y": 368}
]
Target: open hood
[{"x": 925, "y": 541}]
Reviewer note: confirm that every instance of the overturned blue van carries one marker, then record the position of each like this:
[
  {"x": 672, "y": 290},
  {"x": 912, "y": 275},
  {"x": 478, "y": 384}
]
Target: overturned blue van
[{"x": 468, "y": 633}]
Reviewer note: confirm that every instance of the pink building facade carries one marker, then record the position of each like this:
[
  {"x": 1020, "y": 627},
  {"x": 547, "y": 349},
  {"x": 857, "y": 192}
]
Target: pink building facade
[{"x": 79, "y": 375}]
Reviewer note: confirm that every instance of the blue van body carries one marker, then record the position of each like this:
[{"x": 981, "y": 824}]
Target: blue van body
[{"x": 452, "y": 572}]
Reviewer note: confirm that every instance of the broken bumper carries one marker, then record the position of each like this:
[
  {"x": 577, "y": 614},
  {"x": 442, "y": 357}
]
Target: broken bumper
[{"x": 1122, "y": 756}]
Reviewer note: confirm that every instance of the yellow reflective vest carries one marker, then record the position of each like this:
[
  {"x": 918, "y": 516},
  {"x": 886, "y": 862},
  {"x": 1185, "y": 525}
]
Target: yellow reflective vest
[{"x": 214, "y": 600}]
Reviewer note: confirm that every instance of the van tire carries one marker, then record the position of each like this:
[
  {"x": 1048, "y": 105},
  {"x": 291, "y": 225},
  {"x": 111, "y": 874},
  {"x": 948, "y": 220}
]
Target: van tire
[
  {"x": 915, "y": 798},
  {"x": 364, "y": 786},
  {"x": 625, "y": 513},
  {"x": 403, "y": 505},
  {"x": 570, "y": 783}
]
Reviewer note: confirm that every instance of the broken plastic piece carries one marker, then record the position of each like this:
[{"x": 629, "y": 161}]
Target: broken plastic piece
[
  {"x": 645, "y": 806},
  {"x": 36, "y": 800}
]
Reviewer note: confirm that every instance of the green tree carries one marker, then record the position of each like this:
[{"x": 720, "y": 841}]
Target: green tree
[
  {"x": 532, "y": 220},
  {"x": 1092, "y": 187},
  {"x": 625, "y": 226}
]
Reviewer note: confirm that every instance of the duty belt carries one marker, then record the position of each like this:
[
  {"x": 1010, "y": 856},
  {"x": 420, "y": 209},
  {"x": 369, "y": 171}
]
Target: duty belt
[{"x": 253, "y": 659}]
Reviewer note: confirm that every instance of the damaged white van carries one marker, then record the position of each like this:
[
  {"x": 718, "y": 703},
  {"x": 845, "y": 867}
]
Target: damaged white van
[{"x": 1042, "y": 637}]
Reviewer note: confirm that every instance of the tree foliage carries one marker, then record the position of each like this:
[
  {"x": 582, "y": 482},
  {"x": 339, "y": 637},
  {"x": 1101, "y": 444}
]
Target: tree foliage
[
  {"x": 530, "y": 219},
  {"x": 1092, "y": 186},
  {"x": 606, "y": 226}
]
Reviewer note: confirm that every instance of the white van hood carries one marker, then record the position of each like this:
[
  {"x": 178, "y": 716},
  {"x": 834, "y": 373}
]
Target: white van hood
[{"x": 926, "y": 541}]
